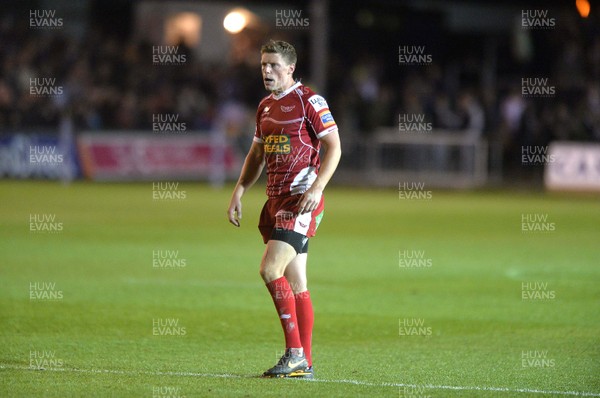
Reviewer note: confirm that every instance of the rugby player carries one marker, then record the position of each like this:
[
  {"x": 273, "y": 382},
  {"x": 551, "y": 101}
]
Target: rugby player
[{"x": 292, "y": 123}]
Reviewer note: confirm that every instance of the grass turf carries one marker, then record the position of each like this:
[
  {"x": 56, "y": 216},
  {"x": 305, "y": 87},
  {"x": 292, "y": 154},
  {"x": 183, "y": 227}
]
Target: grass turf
[{"x": 476, "y": 326}]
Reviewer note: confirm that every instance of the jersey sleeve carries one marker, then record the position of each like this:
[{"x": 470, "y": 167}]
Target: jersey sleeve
[{"x": 320, "y": 116}]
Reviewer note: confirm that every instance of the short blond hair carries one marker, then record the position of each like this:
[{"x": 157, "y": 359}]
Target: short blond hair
[{"x": 283, "y": 48}]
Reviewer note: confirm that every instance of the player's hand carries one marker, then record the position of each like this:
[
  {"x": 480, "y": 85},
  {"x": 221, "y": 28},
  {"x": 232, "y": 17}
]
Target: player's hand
[
  {"x": 309, "y": 200},
  {"x": 235, "y": 211}
]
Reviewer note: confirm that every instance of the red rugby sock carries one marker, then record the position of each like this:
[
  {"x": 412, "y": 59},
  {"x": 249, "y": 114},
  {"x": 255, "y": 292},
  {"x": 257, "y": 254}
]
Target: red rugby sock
[
  {"x": 283, "y": 297},
  {"x": 306, "y": 319}
]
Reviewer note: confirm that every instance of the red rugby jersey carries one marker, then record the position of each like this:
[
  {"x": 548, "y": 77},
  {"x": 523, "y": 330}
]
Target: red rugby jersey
[{"x": 289, "y": 125}]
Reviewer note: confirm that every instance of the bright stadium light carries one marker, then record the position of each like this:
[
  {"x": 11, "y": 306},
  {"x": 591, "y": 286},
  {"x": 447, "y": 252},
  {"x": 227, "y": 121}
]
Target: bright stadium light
[
  {"x": 583, "y": 6},
  {"x": 235, "y": 21}
]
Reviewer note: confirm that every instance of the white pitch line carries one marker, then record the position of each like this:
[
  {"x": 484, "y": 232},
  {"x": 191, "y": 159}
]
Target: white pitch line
[{"x": 355, "y": 382}]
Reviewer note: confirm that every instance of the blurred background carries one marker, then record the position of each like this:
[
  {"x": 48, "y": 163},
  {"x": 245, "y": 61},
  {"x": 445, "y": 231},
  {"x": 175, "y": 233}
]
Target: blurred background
[{"x": 455, "y": 94}]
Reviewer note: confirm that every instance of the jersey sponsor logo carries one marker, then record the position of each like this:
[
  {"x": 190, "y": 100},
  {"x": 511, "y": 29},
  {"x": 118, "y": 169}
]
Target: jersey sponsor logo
[
  {"x": 318, "y": 102},
  {"x": 277, "y": 144},
  {"x": 265, "y": 110},
  {"x": 327, "y": 118},
  {"x": 287, "y": 108}
]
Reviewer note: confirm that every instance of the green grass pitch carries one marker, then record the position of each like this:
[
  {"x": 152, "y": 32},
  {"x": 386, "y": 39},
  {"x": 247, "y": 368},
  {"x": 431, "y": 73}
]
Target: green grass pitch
[{"x": 492, "y": 310}]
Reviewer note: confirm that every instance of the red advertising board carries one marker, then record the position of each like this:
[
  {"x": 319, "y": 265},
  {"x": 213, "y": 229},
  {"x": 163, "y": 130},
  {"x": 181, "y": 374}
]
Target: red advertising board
[{"x": 131, "y": 157}]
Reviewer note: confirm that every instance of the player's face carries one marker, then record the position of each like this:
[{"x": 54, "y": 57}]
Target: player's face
[{"x": 276, "y": 73}]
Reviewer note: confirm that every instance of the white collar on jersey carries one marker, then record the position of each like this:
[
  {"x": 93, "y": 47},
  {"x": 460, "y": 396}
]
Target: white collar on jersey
[{"x": 286, "y": 92}]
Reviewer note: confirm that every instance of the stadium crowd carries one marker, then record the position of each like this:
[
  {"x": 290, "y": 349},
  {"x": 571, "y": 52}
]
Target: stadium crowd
[{"x": 110, "y": 83}]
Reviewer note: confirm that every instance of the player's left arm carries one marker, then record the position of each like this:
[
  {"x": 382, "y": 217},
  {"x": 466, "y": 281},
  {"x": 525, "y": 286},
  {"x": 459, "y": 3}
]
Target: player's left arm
[{"x": 329, "y": 162}]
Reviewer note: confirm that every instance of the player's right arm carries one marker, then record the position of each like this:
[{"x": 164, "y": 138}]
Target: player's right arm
[{"x": 253, "y": 165}]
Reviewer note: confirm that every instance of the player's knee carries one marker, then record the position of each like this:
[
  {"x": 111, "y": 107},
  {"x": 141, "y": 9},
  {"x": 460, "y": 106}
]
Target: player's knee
[{"x": 269, "y": 274}]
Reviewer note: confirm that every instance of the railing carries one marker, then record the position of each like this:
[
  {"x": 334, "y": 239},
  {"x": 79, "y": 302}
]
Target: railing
[{"x": 438, "y": 158}]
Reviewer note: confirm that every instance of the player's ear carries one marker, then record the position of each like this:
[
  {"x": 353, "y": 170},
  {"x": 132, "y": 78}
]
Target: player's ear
[{"x": 292, "y": 68}]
